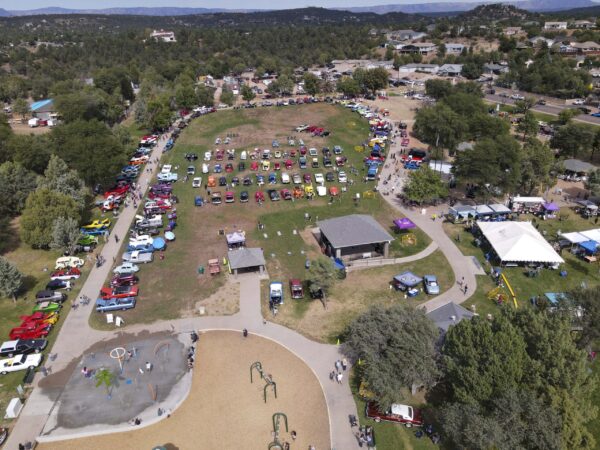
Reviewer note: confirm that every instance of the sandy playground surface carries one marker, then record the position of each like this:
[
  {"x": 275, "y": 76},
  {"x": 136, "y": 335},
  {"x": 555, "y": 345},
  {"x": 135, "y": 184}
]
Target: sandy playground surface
[{"x": 224, "y": 411}]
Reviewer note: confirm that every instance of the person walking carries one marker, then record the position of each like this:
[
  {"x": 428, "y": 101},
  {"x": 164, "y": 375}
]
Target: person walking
[
  {"x": 466, "y": 289},
  {"x": 340, "y": 376}
]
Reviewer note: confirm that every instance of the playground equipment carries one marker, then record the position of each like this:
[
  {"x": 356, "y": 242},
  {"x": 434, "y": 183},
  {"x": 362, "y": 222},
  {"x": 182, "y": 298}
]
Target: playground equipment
[
  {"x": 409, "y": 239},
  {"x": 510, "y": 289},
  {"x": 118, "y": 353},
  {"x": 368, "y": 194},
  {"x": 276, "y": 444},
  {"x": 359, "y": 148},
  {"x": 268, "y": 379}
]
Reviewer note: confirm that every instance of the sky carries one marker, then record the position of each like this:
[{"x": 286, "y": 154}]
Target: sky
[{"x": 230, "y": 4}]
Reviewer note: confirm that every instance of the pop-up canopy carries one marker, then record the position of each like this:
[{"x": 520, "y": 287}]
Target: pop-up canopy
[{"x": 404, "y": 224}]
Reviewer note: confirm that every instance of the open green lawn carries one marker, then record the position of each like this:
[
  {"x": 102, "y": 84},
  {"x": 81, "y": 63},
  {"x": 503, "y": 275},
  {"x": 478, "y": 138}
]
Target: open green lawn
[
  {"x": 36, "y": 266},
  {"x": 171, "y": 287},
  {"x": 526, "y": 287}
]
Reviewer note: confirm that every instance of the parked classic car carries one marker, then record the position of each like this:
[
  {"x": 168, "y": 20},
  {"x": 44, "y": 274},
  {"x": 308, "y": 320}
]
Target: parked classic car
[
  {"x": 115, "y": 304},
  {"x": 119, "y": 291},
  {"x": 403, "y": 414},
  {"x": 22, "y": 347},
  {"x": 20, "y": 362}
]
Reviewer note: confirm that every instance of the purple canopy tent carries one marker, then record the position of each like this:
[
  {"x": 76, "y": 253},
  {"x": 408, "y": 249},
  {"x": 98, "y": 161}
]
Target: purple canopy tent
[
  {"x": 550, "y": 206},
  {"x": 404, "y": 224}
]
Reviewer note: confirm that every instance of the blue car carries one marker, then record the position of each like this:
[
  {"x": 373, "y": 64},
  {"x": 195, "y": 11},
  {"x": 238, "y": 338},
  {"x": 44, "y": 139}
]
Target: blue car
[
  {"x": 198, "y": 201},
  {"x": 115, "y": 304},
  {"x": 146, "y": 248},
  {"x": 218, "y": 168},
  {"x": 272, "y": 178},
  {"x": 94, "y": 232},
  {"x": 597, "y": 114}
]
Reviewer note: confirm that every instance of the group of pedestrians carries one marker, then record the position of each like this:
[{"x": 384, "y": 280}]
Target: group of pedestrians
[{"x": 338, "y": 373}]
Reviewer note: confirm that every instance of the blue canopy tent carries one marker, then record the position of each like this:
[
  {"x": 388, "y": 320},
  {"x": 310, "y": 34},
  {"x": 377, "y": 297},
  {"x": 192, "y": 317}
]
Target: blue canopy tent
[
  {"x": 590, "y": 247},
  {"x": 407, "y": 281}
]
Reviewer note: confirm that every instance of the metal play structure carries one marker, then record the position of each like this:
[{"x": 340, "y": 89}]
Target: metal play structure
[
  {"x": 409, "y": 239},
  {"x": 276, "y": 444},
  {"x": 268, "y": 379}
]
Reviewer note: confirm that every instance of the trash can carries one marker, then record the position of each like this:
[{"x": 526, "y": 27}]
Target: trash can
[{"x": 201, "y": 270}]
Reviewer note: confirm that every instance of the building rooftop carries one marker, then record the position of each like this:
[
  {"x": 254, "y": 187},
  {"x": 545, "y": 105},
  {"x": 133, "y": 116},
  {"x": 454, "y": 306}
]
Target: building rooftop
[
  {"x": 40, "y": 104},
  {"x": 353, "y": 230},
  {"x": 244, "y": 258},
  {"x": 449, "y": 314}
]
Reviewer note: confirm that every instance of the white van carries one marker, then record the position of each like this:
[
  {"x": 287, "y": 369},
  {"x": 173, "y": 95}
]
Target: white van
[
  {"x": 244, "y": 155},
  {"x": 205, "y": 168}
]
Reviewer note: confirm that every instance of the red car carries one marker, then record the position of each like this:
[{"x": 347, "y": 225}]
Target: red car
[
  {"x": 254, "y": 166},
  {"x": 288, "y": 164},
  {"x": 293, "y": 153},
  {"x": 119, "y": 292},
  {"x": 286, "y": 194},
  {"x": 66, "y": 274},
  {"x": 403, "y": 414},
  {"x": 259, "y": 196},
  {"x": 307, "y": 178},
  {"x": 38, "y": 318},
  {"x": 277, "y": 166},
  {"x": 405, "y": 142},
  {"x": 220, "y": 154},
  {"x": 36, "y": 332},
  {"x": 117, "y": 192},
  {"x": 303, "y": 150},
  {"x": 229, "y": 168},
  {"x": 153, "y": 195},
  {"x": 124, "y": 280}
]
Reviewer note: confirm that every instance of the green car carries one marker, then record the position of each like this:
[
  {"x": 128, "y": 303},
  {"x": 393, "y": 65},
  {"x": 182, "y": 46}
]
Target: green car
[
  {"x": 47, "y": 307},
  {"x": 88, "y": 240}
]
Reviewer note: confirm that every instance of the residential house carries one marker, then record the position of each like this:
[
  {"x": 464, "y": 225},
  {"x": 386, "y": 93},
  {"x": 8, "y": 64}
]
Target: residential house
[
  {"x": 418, "y": 67},
  {"x": 583, "y": 24},
  {"x": 586, "y": 48},
  {"x": 555, "y": 25},
  {"x": 163, "y": 36},
  {"x": 43, "y": 109},
  {"x": 450, "y": 70},
  {"x": 454, "y": 49},
  {"x": 539, "y": 40},
  {"x": 448, "y": 315},
  {"x": 494, "y": 69},
  {"x": 422, "y": 48},
  {"x": 565, "y": 49},
  {"x": 512, "y": 31},
  {"x": 405, "y": 35}
]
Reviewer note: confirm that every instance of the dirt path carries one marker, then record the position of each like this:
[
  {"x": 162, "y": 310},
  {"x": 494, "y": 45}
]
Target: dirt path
[{"x": 236, "y": 417}]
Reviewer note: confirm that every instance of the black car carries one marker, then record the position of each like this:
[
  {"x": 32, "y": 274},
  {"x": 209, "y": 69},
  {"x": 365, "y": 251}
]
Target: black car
[
  {"x": 222, "y": 181},
  {"x": 274, "y": 195},
  {"x": 326, "y": 151},
  {"x": 50, "y": 296},
  {"x": 247, "y": 181},
  {"x": 22, "y": 347},
  {"x": 241, "y": 166},
  {"x": 58, "y": 284},
  {"x": 244, "y": 196},
  {"x": 327, "y": 162},
  {"x": 329, "y": 176},
  {"x": 124, "y": 177},
  {"x": 235, "y": 181}
]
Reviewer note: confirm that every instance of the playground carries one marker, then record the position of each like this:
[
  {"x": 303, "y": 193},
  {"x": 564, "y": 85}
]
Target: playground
[{"x": 224, "y": 410}]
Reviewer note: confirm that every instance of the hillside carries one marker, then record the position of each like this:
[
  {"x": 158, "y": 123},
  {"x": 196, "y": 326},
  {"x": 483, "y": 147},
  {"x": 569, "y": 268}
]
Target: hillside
[{"x": 496, "y": 12}]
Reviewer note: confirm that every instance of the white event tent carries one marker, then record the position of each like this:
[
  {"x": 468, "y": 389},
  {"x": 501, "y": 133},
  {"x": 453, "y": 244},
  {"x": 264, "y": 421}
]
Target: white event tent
[{"x": 518, "y": 242}]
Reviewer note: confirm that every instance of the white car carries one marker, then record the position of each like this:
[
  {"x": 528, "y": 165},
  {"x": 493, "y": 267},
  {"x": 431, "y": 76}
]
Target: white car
[
  {"x": 301, "y": 128},
  {"x": 285, "y": 178},
  {"x": 207, "y": 156},
  {"x": 321, "y": 191},
  {"x": 313, "y": 151},
  {"x": 68, "y": 261},
  {"x": 197, "y": 182},
  {"x": 205, "y": 168},
  {"x": 579, "y": 101},
  {"x": 342, "y": 178},
  {"x": 517, "y": 97},
  {"x": 166, "y": 168},
  {"x": 319, "y": 179},
  {"x": 297, "y": 178},
  {"x": 244, "y": 155},
  {"x": 144, "y": 239},
  {"x": 167, "y": 177},
  {"x": 126, "y": 268},
  {"x": 20, "y": 362}
]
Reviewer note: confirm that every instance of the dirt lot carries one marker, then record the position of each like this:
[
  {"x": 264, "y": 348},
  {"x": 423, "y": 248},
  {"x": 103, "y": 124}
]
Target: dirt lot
[{"x": 225, "y": 411}]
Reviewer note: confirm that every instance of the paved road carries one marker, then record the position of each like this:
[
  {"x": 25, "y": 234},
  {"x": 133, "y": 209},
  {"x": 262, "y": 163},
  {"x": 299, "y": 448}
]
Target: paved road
[{"x": 549, "y": 108}]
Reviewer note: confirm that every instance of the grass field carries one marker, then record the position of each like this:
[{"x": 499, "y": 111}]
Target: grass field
[
  {"x": 352, "y": 296},
  {"x": 172, "y": 287}
]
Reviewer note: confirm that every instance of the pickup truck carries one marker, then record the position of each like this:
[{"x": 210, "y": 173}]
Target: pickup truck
[
  {"x": 403, "y": 414},
  {"x": 276, "y": 293},
  {"x": 22, "y": 347},
  {"x": 20, "y": 362},
  {"x": 137, "y": 257},
  {"x": 146, "y": 222}
]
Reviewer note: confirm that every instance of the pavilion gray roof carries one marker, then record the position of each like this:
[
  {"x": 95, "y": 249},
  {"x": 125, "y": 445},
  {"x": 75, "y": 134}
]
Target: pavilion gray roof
[
  {"x": 449, "y": 314},
  {"x": 244, "y": 258},
  {"x": 352, "y": 230},
  {"x": 576, "y": 165}
]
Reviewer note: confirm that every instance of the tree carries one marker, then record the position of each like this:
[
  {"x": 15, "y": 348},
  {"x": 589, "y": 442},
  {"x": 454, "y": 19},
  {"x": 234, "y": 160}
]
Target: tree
[
  {"x": 158, "y": 113},
  {"x": 438, "y": 89},
  {"x": 91, "y": 149},
  {"x": 471, "y": 70},
  {"x": 375, "y": 79},
  {"x": 247, "y": 93},
  {"x": 65, "y": 234},
  {"x": 593, "y": 183},
  {"x": 528, "y": 125},
  {"x": 573, "y": 140},
  {"x": 397, "y": 349},
  {"x": 311, "y": 83},
  {"x": 587, "y": 301},
  {"x": 439, "y": 126},
  {"x": 348, "y": 86},
  {"x": 21, "y": 107},
  {"x": 16, "y": 183},
  {"x": 105, "y": 377},
  {"x": 185, "y": 96},
  {"x": 425, "y": 185},
  {"x": 42, "y": 208},
  {"x": 565, "y": 116},
  {"x": 205, "y": 95},
  {"x": 11, "y": 280},
  {"x": 537, "y": 162},
  {"x": 321, "y": 276},
  {"x": 58, "y": 177},
  {"x": 31, "y": 151},
  {"x": 227, "y": 96},
  {"x": 491, "y": 162}
]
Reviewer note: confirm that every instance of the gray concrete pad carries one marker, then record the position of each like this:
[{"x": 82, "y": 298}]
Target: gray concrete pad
[{"x": 135, "y": 389}]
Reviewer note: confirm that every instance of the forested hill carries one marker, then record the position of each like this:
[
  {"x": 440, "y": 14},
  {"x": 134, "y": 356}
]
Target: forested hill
[{"x": 288, "y": 17}]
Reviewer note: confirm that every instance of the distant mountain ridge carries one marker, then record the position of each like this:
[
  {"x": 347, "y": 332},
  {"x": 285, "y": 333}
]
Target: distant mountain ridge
[
  {"x": 409, "y": 8},
  {"x": 440, "y": 7}
]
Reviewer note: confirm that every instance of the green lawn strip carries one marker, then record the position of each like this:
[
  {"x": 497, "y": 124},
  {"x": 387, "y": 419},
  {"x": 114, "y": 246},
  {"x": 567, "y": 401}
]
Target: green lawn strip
[{"x": 32, "y": 264}]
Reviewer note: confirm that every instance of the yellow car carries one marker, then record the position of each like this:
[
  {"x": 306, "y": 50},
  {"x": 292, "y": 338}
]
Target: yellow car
[
  {"x": 309, "y": 191},
  {"x": 97, "y": 224},
  {"x": 266, "y": 165}
]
